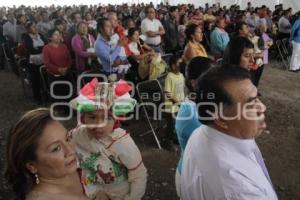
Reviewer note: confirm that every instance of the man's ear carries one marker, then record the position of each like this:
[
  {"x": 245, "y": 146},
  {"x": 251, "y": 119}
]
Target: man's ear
[
  {"x": 31, "y": 167},
  {"x": 194, "y": 84},
  {"x": 220, "y": 122}
]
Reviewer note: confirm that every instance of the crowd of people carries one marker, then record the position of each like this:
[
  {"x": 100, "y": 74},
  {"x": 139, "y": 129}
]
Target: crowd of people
[{"x": 216, "y": 57}]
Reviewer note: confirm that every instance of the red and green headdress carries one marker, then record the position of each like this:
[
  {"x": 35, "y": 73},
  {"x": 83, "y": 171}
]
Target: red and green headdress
[{"x": 100, "y": 95}]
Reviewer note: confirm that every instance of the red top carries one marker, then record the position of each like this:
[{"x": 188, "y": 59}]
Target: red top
[{"x": 56, "y": 57}]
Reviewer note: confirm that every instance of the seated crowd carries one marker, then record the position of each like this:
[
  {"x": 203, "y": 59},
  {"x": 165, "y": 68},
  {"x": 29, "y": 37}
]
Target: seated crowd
[{"x": 195, "y": 51}]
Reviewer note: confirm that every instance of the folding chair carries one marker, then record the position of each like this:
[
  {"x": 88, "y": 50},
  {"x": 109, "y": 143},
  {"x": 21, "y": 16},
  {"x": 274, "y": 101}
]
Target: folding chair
[
  {"x": 45, "y": 85},
  {"x": 161, "y": 79},
  {"x": 166, "y": 57},
  {"x": 24, "y": 76},
  {"x": 283, "y": 56},
  {"x": 179, "y": 53},
  {"x": 287, "y": 46},
  {"x": 151, "y": 97},
  {"x": 219, "y": 61},
  {"x": 9, "y": 56}
]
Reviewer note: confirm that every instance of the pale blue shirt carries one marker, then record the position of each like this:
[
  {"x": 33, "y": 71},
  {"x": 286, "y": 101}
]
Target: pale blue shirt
[
  {"x": 186, "y": 122},
  {"x": 106, "y": 53}
]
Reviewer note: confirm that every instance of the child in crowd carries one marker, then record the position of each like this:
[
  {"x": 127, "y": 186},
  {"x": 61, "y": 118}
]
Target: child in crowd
[
  {"x": 174, "y": 90},
  {"x": 109, "y": 159}
]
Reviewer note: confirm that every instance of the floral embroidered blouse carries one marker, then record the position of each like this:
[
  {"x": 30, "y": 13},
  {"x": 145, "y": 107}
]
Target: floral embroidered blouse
[{"x": 113, "y": 165}]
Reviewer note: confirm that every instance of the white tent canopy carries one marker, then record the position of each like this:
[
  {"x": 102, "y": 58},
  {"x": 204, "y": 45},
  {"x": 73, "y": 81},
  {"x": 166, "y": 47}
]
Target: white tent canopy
[{"x": 242, "y": 3}]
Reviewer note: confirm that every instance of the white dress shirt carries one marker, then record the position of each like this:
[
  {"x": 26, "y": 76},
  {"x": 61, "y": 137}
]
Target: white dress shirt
[
  {"x": 217, "y": 166},
  {"x": 282, "y": 24},
  {"x": 151, "y": 25},
  {"x": 9, "y": 29}
]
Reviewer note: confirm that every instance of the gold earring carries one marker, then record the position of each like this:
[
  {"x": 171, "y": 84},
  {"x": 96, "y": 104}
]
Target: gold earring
[{"x": 37, "y": 180}]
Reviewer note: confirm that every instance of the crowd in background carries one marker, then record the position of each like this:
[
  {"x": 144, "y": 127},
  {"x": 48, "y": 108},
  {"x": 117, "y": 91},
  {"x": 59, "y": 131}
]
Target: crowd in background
[{"x": 175, "y": 44}]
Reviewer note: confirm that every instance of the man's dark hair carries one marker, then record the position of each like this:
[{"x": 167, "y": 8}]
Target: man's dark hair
[
  {"x": 285, "y": 12},
  {"x": 101, "y": 24},
  {"x": 234, "y": 50},
  {"x": 58, "y": 22},
  {"x": 173, "y": 60},
  {"x": 196, "y": 67},
  {"x": 172, "y": 9},
  {"x": 68, "y": 8},
  {"x": 75, "y": 13},
  {"x": 239, "y": 26},
  {"x": 210, "y": 90},
  {"x": 147, "y": 8}
]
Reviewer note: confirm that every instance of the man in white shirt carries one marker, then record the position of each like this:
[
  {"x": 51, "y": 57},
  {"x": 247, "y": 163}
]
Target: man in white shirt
[
  {"x": 152, "y": 29},
  {"x": 221, "y": 160},
  {"x": 9, "y": 28},
  {"x": 44, "y": 25},
  {"x": 284, "y": 25}
]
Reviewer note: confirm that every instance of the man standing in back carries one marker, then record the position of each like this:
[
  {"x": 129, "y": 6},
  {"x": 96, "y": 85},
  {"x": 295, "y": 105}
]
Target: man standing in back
[{"x": 222, "y": 159}]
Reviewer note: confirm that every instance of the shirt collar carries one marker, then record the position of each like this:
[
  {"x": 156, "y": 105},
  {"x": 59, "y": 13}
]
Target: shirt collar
[
  {"x": 243, "y": 146},
  {"x": 100, "y": 37}
]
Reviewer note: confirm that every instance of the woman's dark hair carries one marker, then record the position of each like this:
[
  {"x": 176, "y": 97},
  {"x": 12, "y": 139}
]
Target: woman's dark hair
[
  {"x": 82, "y": 22},
  {"x": 28, "y": 25},
  {"x": 210, "y": 89},
  {"x": 190, "y": 30},
  {"x": 50, "y": 33},
  {"x": 131, "y": 31},
  {"x": 260, "y": 42},
  {"x": 21, "y": 148},
  {"x": 239, "y": 26},
  {"x": 126, "y": 21},
  {"x": 101, "y": 23},
  {"x": 181, "y": 20},
  {"x": 234, "y": 50}
]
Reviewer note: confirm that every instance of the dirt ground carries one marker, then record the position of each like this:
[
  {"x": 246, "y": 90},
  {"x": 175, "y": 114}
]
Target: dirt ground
[{"x": 280, "y": 144}]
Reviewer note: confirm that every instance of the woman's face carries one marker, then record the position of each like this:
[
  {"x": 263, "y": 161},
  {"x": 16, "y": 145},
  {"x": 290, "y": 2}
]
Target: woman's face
[
  {"x": 88, "y": 17},
  {"x": 60, "y": 27},
  {"x": 99, "y": 123},
  {"x": 55, "y": 153},
  {"x": 135, "y": 37},
  {"x": 222, "y": 24},
  {"x": 198, "y": 35},
  {"x": 130, "y": 24},
  {"x": 33, "y": 29},
  {"x": 56, "y": 37},
  {"x": 263, "y": 28},
  {"x": 185, "y": 19},
  {"x": 247, "y": 58},
  {"x": 82, "y": 29}
]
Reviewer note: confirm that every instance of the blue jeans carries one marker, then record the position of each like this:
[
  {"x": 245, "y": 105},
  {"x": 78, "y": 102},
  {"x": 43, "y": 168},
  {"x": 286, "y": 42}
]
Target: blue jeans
[{"x": 156, "y": 48}]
